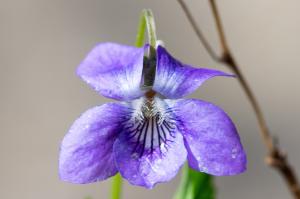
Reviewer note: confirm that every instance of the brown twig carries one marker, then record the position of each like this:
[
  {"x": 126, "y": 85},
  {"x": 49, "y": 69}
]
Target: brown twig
[{"x": 276, "y": 158}]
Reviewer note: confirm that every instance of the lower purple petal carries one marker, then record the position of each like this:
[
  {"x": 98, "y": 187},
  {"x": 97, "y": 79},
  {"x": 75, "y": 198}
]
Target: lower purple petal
[
  {"x": 151, "y": 168},
  {"x": 86, "y": 151},
  {"x": 210, "y": 137}
]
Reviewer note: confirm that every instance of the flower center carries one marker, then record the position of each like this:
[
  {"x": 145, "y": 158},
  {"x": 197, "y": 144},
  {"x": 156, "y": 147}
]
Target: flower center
[{"x": 151, "y": 127}]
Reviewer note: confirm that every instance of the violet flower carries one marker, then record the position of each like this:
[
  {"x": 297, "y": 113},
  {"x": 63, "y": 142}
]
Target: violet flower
[{"x": 148, "y": 136}]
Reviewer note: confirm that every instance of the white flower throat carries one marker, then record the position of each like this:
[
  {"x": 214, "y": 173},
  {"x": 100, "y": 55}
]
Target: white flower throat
[{"x": 151, "y": 125}]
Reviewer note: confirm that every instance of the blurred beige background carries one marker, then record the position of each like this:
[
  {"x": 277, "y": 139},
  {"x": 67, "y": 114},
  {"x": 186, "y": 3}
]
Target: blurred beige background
[{"x": 42, "y": 42}]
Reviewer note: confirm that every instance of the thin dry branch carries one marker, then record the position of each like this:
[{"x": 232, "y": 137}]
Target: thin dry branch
[{"x": 275, "y": 158}]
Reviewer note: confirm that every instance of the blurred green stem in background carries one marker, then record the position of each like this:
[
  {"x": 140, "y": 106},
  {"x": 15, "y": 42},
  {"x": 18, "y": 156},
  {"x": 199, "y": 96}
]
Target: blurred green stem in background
[
  {"x": 116, "y": 187},
  {"x": 195, "y": 185}
]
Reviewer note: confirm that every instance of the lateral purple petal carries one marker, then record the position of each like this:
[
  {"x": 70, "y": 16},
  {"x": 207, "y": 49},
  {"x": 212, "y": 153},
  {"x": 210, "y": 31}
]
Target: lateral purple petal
[
  {"x": 114, "y": 70},
  {"x": 211, "y": 138},
  {"x": 86, "y": 153},
  {"x": 150, "y": 168},
  {"x": 174, "y": 79}
]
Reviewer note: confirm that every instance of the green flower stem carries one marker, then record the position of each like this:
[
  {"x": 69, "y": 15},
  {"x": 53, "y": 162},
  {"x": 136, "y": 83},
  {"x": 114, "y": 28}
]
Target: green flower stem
[
  {"x": 195, "y": 185},
  {"x": 147, "y": 20},
  {"x": 181, "y": 192},
  {"x": 140, "y": 36},
  {"x": 116, "y": 187}
]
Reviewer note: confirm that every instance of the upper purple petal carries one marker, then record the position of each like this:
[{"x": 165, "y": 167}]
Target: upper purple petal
[
  {"x": 211, "y": 138},
  {"x": 161, "y": 165},
  {"x": 114, "y": 70},
  {"x": 174, "y": 79},
  {"x": 86, "y": 151}
]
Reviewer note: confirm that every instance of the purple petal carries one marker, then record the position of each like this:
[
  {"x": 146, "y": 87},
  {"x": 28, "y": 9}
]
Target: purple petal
[
  {"x": 175, "y": 80},
  {"x": 114, "y": 70},
  {"x": 211, "y": 138},
  {"x": 86, "y": 151},
  {"x": 150, "y": 168}
]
